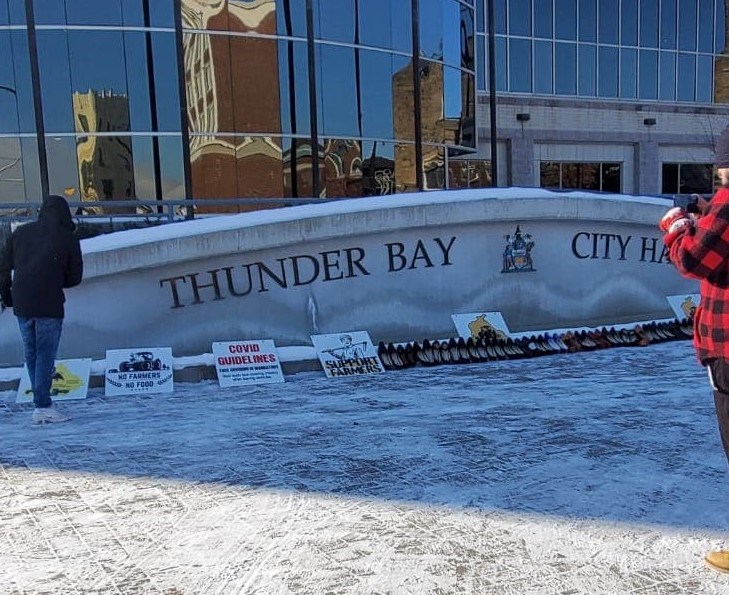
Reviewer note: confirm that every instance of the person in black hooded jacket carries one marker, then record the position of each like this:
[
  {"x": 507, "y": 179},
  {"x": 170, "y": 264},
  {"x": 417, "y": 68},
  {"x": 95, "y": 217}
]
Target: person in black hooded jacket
[{"x": 39, "y": 260}]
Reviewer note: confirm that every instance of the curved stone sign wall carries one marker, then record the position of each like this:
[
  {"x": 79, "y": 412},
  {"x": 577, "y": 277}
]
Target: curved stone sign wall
[{"x": 396, "y": 266}]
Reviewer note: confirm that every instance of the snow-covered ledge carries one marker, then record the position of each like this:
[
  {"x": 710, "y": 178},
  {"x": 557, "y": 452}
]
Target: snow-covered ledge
[{"x": 397, "y": 266}]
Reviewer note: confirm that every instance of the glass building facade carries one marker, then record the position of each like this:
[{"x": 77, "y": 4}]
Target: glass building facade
[{"x": 104, "y": 100}]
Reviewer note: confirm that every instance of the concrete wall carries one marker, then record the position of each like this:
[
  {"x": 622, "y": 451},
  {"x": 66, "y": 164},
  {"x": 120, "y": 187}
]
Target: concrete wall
[{"x": 396, "y": 266}]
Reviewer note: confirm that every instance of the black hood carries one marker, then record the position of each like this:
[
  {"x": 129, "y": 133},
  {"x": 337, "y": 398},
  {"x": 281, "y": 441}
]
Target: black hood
[{"x": 55, "y": 208}]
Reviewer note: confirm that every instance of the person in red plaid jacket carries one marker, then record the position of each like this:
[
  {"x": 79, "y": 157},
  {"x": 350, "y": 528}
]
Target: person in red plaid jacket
[{"x": 698, "y": 245}]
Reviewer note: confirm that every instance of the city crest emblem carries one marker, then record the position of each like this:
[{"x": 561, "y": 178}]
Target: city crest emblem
[{"x": 517, "y": 256}]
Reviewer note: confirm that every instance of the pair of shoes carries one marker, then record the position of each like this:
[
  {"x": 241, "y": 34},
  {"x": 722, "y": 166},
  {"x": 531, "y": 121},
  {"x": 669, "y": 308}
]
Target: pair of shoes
[
  {"x": 718, "y": 560},
  {"x": 49, "y": 415}
]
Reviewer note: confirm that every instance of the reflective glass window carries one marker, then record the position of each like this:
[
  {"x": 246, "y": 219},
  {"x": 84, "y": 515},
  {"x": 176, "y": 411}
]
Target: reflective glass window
[
  {"x": 208, "y": 83},
  {"x": 543, "y": 67},
  {"x": 161, "y": 13},
  {"x": 608, "y": 32},
  {"x": 686, "y": 88},
  {"x": 565, "y": 26},
  {"x": 629, "y": 22},
  {"x": 379, "y": 166},
  {"x": 4, "y": 13},
  {"x": 452, "y": 33},
  {"x": 342, "y": 171},
  {"x": 500, "y": 66},
  {"x": 143, "y": 150},
  {"x": 135, "y": 58},
  {"x": 648, "y": 69},
  {"x": 8, "y": 92},
  {"x": 297, "y": 170},
  {"x": 293, "y": 76},
  {"x": 670, "y": 178},
  {"x": 520, "y": 17},
  {"x": 376, "y": 91},
  {"x": 687, "y": 27},
  {"x": 452, "y": 95},
  {"x": 706, "y": 25},
  {"x": 259, "y": 168},
  {"x": 55, "y": 79},
  {"x": 44, "y": 12},
  {"x": 98, "y": 81},
  {"x": 543, "y": 25},
  {"x": 500, "y": 16},
  {"x": 291, "y": 17},
  {"x": 467, "y": 131},
  {"x": 628, "y": 73},
  {"x": 607, "y": 81},
  {"x": 133, "y": 13},
  {"x": 565, "y": 68},
  {"x": 16, "y": 9},
  {"x": 386, "y": 24},
  {"x": 63, "y": 171},
  {"x": 704, "y": 76},
  {"x": 668, "y": 24},
  {"x": 12, "y": 187},
  {"x": 467, "y": 38},
  {"x": 334, "y": 20},
  {"x": 667, "y": 75},
  {"x": 719, "y": 28},
  {"x": 93, "y": 12},
  {"x": 164, "y": 58},
  {"x": 433, "y": 167},
  {"x": 587, "y": 81},
  {"x": 610, "y": 180},
  {"x": 255, "y": 84},
  {"x": 520, "y": 71},
  {"x": 337, "y": 91},
  {"x": 172, "y": 172},
  {"x": 482, "y": 63},
  {"x": 431, "y": 29},
  {"x": 105, "y": 167},
  {"x": 31, "y": 169},
  {"x": 480, "y": 18},
  {"x": 198, "y": 14},
  {"x": 431, "y": 101},
  {"x": 588, "y": 20},
  {"x": 648, "y": 23}
]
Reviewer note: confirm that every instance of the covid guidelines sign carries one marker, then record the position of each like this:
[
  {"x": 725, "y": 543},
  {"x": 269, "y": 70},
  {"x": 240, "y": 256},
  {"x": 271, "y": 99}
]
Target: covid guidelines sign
[
  {"x": 347, "y": 354},
  {"x": 138, "y": 371},
  {"x": 247, "y": 362}
]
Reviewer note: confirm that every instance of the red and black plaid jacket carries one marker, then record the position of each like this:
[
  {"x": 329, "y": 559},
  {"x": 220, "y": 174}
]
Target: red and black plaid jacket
[{"x": 702, "y": 252}]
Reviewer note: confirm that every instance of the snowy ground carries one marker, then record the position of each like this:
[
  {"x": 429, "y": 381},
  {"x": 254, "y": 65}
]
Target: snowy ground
[{"x": 598, "y": 473}]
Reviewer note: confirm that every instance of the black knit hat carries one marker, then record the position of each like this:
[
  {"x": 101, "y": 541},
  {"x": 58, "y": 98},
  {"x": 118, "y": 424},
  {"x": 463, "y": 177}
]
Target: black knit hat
[{"x": 721, "y": 151}]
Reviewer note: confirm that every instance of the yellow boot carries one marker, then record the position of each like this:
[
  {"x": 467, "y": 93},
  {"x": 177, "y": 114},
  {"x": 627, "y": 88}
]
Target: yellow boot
[{"x": 718, "y": 560}]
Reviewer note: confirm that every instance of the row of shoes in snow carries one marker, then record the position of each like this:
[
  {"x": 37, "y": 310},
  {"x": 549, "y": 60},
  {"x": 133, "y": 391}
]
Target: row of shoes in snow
[{"x": 459, "y": 350}]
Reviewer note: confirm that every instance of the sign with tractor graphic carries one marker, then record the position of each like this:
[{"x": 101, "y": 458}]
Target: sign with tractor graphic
[{"x": 70, "y": 381}]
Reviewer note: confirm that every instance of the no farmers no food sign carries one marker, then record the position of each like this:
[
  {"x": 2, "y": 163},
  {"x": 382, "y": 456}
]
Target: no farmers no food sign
[
  {"x": 247, "y": 362},
  {"x": 138, "y": 371}
]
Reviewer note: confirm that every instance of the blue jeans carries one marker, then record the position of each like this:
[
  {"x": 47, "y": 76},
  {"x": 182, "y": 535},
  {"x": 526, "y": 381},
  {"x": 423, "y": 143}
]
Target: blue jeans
[{"x": 40, "y": 343}]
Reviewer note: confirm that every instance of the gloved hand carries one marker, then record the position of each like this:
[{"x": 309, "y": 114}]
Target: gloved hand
[{"x": 673, "y": 220}]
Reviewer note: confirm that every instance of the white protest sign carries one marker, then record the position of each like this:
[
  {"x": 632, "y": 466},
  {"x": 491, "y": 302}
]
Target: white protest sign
[
  {"x": 247, "y": 362},
  {"x": 70, "y": 381},
  {"x": 480, "y": 324},
  {"x": 138, "y": 371},
  {"x": 347, "y": 354},
  {"x": 684, "y": 305}
]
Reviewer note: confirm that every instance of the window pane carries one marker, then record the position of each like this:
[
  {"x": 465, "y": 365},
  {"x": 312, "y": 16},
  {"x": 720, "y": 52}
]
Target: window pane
[
  {"x": 17, "y": 12},
  {"x": 386, "y": 24},
  {"x": 570, "y": 175},
  {"x": 668, "y": 24},
  {"x": 629, "y": 22},
  {"x": 607, "y": 82},
  {"x": 162, "y": 13},
  {"x": 334, "y": 20},
  {"x": 453, "y": 100},
  {"x": 500, "y": 16},
  {"x": 565, "y": 26},
  {"x": 695, "y": 178},
  {"x": 719, "y": 19},
  {"x": 520, "y": 71},
  {"x": 542, "y": 18},
  {"x": 135, "y": 57},
  {"x": 565, "y": 68},
  {"x": 520, "y": 17},
  {"x": 686, "y": 77},
  {"x": 379, "y": 166},
  {"x": 500, "y": 66},
  {"x": 164, "y": 58},
  {"x": 467, "y": 39},
  {"x": 648, "y": 82},
  {"x": 628, "y": 73},
  {"x": 480, "y": 16},
  {"x": 667, "y": 76},
  {"x": 254, "y": 64},
  {"x": 93, "y": 12},
  {"x": 376, "y": 94},
  {"x": 543, "y": 67},
  {"x": 431, "y": 29},
  {"x": 433, "y": 167},
  {"x": 132, "y": 13},
  {"x": 8, "y": 93},
  {"x": 588, "y": 176},
  {"x": 291, "y": 17},
  {"x": 706, "y": 25},
  {"x": 12, "y": 183},
  {"x": 55, "y": 77},
  {"x": 687, "y": 27},
  {"x": 403, "y": 121},
  {"x": 337, "y": 97},
  {"x": 198, "y": 15},
  {"x": 45, "y": 13},
  {"x": 63, "y": 172},
  {"x": 588, "y": 70},
  {"x": 588, "y": 20},
  {"x": 482, "y": 63},
  {"x": 170, "y": 153},
  {"x": 704, "y": 76},
  {"x": 608, "y": 21},
  {"x": 670, "y": 178},
  {"x": 4, "y": 14},
  {"x": 648, "y": 23},
  {"x": 431, "y": 102},
  {"x": 611, "y": 177},
  {"x": 451, "y": 33},
  {"x": 293, "y": 76},
  {"x": 549, "y": 174},
  {"x": 342, "y": 168}
]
